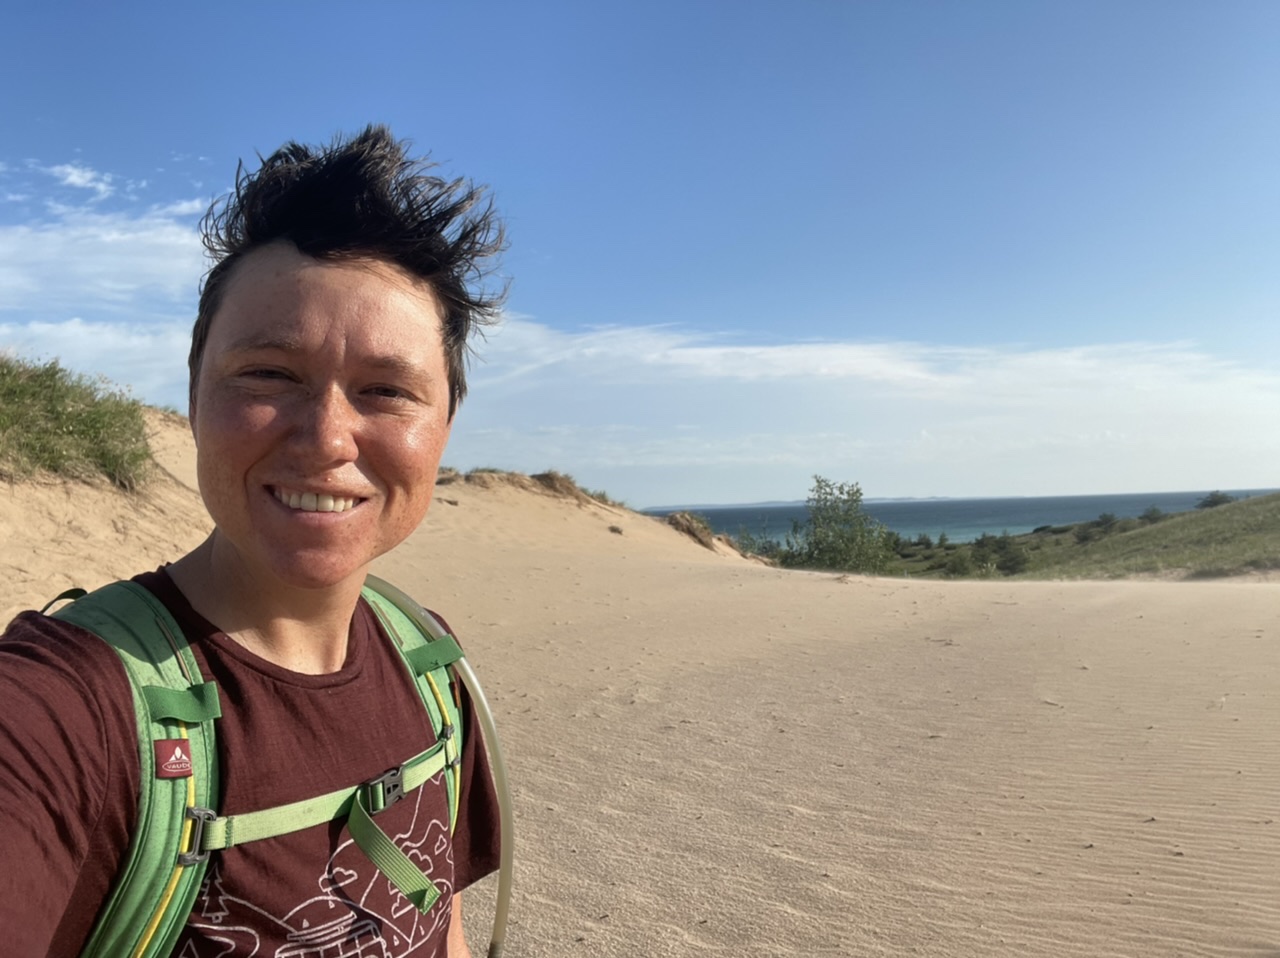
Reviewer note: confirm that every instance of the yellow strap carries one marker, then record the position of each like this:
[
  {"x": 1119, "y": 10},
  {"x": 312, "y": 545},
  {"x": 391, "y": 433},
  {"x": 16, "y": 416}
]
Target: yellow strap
[{"x": 153, "y": 925}]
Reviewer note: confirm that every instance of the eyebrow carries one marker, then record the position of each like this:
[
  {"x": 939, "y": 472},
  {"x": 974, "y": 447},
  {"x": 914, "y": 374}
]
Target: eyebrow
[{"x": 255, "y": 342}]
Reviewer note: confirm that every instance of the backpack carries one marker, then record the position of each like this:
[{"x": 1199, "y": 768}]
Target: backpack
[{"x": 178, "y": 826}]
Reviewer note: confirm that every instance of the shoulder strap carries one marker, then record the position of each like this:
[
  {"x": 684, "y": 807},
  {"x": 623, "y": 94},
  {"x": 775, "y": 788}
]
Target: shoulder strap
[
  {"x": 175, "y": 709},
  {"x": 427, "y": 650}
]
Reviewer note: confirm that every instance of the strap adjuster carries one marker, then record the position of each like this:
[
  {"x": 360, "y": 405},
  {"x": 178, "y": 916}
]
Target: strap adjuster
[
  {"x": 385, "y": 790},
  {"x": 198, "y": 817}
]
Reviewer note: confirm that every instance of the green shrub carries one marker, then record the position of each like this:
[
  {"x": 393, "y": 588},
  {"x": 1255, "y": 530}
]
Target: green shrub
[
  {"x": 838, "y": 533},
  {"x": 1215, "y": 499},
  {"x": 57, "y": 421},
  {"x": 990, "y": 554},
  {"x": 959, "y": 564}
]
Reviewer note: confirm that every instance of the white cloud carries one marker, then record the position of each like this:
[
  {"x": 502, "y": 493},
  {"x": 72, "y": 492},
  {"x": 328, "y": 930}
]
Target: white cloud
[
  {"x": 623, "y": 410},
  {"x": 82, "y": 262},
  {"x": 105, "y": 291},
  {"x": 83, "y": 177},
  {"x": 182, "y": 207},
  {"x": 150, "y": 360},
  {"x": 660, "y": 414},
  {"x": 655, "y": 415}
]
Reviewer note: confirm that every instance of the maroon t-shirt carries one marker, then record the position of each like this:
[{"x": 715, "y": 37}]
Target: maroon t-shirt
[{"x": 69, "y": 781}]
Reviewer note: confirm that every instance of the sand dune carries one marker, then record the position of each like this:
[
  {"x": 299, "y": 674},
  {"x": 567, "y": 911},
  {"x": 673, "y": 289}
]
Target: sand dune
[{"x": 715, "y": 757}]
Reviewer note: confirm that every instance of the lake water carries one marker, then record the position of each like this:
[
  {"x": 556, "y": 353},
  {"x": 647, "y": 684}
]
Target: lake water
[{"x": 963, "y": 520}]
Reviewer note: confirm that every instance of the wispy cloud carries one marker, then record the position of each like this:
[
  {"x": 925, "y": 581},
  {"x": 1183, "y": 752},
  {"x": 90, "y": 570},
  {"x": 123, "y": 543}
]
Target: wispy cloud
[
  {"x": 665, "y": 415},
  {"x": 149, "y": 359},
  {"x": 106, "y": 287},
  {"x": 993, "y": 421},
  {"x": 82, "y": 177},
  {"x": 182, "y": 208},
  {"x": 84, "y": 261}
]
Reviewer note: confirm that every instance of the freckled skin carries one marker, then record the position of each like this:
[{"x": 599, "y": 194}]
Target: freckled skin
[{"x": 324, "y": 377}]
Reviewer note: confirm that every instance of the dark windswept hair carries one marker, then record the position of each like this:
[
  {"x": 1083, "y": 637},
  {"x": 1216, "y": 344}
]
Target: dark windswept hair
[{"x": 361, "y": 197}]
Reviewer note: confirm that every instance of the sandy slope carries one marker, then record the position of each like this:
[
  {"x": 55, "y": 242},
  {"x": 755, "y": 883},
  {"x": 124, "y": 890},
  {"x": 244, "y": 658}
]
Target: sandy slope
[{"x": 713, "y": 757}]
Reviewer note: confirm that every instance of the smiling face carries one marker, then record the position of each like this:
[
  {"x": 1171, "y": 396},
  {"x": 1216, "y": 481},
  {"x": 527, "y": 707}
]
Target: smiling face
[{"x": 320, "y": 414}]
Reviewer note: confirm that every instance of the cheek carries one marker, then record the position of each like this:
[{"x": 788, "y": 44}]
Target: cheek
[{"x": 417, "y": 456}]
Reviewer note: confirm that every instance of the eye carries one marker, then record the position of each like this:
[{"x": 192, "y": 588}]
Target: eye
[
  {"x": 266, "y": 373},
  {"x": 384, "y": 391}
]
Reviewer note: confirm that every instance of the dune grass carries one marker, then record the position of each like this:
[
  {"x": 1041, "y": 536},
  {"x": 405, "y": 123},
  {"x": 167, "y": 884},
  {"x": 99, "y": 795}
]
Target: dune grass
[
  {"x": 1226, "y": 540},
  {"x": 1230, "y": 539},
  {"x": 56, "y": 421}
]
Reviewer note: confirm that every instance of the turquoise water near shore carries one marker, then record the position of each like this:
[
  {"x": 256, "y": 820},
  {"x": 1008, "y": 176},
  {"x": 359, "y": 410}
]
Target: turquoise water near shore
[{"x": 963, "y": 520}]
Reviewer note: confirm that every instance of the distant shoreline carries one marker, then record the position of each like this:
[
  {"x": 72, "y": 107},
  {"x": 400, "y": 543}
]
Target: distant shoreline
[
  {"x": 960, "y": 519},
  {"x": 782, "y": 503}
]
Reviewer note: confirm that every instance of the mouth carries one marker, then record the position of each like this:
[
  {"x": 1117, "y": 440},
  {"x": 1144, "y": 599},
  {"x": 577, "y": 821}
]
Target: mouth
[{"x": 314, "y": 502}]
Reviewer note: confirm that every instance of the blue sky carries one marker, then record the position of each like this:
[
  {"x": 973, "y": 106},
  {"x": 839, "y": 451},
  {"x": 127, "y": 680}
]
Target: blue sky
[{"x": 937, "y": 248}]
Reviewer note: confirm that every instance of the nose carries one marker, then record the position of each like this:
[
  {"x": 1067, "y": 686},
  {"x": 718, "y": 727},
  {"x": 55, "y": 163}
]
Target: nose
[{"x": 328, "y": 428}]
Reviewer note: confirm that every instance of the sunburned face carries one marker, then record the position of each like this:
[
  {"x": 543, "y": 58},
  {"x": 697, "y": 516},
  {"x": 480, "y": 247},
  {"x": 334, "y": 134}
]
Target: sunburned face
[{"x": 320, "y": 415}]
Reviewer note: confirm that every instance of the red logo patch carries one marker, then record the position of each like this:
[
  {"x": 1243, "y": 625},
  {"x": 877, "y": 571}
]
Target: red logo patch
[{"x": 173, "y": 758}]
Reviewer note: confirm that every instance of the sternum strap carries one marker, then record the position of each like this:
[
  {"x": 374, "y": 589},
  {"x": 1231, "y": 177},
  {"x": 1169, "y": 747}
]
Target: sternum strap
[{"x": 358, "y": 805}]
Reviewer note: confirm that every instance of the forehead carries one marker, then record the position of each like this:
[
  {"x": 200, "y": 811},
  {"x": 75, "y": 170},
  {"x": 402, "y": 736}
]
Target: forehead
[{"x": 277, "y": 291}]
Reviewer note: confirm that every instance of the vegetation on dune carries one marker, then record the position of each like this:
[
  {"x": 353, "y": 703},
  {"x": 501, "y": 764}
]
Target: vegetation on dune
[
  {"x": 837, "y": 535},
  {"x": 1215, "y": 499},
  {"x": 1226, "y": 539},
  {"x": 551, "y": 481},
  {"x": 53, "y": 420},
  {"x": 695, "y": 526},
  {"x": 1220, "y": 537}
]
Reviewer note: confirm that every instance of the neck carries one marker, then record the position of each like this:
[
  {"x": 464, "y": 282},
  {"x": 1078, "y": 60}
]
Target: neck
[{"x": 301, "y": 629}]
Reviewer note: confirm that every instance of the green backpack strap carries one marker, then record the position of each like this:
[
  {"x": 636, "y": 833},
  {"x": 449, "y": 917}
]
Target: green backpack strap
[
  {"x": 175, "y": 710},
  {"x": 427, "y": 650}
]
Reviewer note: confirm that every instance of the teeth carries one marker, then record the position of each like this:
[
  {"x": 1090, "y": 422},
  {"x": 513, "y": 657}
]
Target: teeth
[{"x": 311, "y": 502}]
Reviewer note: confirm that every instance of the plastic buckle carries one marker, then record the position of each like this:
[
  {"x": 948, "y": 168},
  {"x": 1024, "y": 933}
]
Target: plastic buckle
[
  {"x": 385, "y": 790},
  {"x": 198, "y": 817}
]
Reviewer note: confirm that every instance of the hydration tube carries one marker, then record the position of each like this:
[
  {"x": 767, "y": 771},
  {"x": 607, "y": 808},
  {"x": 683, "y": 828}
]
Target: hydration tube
[{"x": 506, "y": 814}]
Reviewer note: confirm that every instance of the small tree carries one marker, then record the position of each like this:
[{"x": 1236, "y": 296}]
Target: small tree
[
  {"x": 1010, "y": 557},
  {"x": 959, "y": 564},
  {"x": 838, "y": 534},
  {"x": 1152, "y": 515},
  {"x": 1215, "y": 499},
  {"x": 894, "y": 542},
  {"x": 923, "y": 541}
]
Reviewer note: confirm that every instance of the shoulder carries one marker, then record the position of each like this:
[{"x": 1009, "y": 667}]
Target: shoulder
[
  {"x": 69, "y": 776},
  {"x": 62, "y": 684},
  {"x": 46, "y": 656}
]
